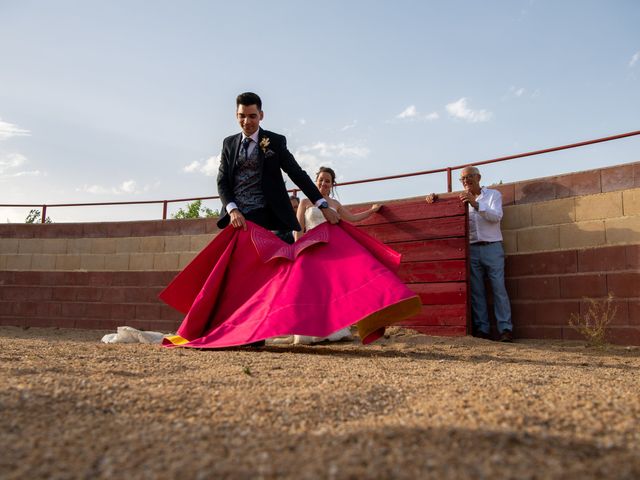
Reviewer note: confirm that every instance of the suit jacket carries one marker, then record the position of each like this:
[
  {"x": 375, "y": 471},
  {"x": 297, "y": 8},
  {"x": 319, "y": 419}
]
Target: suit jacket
[{"x": 274, "y": 159}]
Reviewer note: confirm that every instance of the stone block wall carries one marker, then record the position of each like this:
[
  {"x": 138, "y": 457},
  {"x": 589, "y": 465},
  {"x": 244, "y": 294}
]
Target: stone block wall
[{"x": 570, "y": 239}]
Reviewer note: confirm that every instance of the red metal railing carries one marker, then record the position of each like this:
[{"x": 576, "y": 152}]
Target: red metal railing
[{"x": 449, "y": 171}]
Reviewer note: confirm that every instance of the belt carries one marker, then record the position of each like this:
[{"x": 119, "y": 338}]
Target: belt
[{"x": 484, "y": 243}]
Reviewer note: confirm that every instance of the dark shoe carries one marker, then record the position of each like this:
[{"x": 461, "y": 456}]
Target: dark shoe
[
  {"x": 482, "y": 335},
  {"x": 259, "y": 343},
  {"x": 506, "y": 336}
]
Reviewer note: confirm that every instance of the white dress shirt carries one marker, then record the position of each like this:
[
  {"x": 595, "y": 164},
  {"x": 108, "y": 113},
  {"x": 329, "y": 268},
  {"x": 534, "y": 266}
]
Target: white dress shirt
[{"x": 484, "y": 223}]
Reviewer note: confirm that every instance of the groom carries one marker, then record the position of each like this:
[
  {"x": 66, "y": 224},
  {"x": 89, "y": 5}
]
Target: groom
[{"x": 250, "y": 182}]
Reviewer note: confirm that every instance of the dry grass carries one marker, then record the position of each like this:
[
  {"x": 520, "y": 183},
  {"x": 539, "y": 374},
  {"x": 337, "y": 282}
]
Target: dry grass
[{"x": 593, "y": 324}]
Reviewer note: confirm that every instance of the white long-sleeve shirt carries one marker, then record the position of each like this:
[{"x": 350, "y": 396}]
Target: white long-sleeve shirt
[{"x": 484, "y": 223}]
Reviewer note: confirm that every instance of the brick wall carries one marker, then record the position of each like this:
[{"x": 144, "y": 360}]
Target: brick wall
[{"x": 569, "y": 239}]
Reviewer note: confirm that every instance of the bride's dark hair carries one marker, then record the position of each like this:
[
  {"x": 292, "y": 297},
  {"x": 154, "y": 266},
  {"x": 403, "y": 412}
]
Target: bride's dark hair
[{"x": 330, "y": 171}]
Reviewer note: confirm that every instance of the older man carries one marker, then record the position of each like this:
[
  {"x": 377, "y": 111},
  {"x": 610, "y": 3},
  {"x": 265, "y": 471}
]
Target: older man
[{"x": 486, "y": 254}]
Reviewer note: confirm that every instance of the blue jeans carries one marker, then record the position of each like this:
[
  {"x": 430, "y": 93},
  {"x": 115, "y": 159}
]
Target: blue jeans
[{"x": 489, "y": 259}]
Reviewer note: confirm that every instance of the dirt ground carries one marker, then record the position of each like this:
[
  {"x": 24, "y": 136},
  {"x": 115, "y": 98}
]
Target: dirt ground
[{"x": 409, "y": 406}]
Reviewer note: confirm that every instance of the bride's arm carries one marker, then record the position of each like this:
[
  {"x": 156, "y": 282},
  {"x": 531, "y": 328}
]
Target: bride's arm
[
  {"x": 302, "y": 207},
  {"x": 356, "y": 217}
]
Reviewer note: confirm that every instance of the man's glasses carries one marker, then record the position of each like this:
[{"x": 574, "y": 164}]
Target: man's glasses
[{"x": 467, "y": 177}]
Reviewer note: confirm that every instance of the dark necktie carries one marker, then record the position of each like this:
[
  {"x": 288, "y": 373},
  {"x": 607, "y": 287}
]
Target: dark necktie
[{"x": 245, "y": 144}]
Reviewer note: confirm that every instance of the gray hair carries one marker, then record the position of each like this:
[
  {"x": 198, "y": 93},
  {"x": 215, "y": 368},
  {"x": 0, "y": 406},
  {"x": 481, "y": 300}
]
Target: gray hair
[{"x": 472, "y": 170}]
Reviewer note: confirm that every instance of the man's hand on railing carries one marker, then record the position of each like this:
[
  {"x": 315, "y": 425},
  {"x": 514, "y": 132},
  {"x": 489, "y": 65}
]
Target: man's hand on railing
[{"x": 432, "y": 198}]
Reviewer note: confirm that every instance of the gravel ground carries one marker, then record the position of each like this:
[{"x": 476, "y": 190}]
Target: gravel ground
[{"x": 409, "y": 406}]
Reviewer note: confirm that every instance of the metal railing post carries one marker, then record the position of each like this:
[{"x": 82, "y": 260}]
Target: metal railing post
[
  {"x": 44, "y": 214},
  {"x": 449, "y": 183},
  {"x": 164, "y": 209}
]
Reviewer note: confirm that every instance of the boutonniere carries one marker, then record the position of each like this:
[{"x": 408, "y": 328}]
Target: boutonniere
[{"x": 264, "y": 146}]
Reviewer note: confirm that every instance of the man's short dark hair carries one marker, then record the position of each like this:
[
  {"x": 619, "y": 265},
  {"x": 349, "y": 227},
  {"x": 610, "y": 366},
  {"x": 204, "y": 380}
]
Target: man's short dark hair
[{"x": 249, "y": 98}]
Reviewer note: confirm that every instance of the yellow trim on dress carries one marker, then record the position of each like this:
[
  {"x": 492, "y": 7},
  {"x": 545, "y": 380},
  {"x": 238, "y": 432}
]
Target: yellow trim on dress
[
  {"x": 388, "y": 316},
  {"x": 176, "y": 339}
]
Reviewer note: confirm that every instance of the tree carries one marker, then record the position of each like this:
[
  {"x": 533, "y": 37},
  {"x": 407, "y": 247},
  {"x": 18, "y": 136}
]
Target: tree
[
  {"x": 34, "y": 216},
  {"x": 195, "y": 210}
]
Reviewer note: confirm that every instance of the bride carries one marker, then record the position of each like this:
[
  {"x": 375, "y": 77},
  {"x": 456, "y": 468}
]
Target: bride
[{"x": 309, "y": 217}]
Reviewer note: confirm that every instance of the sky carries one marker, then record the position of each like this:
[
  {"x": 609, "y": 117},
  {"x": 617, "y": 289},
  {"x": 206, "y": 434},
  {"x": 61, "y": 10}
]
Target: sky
[{"x": 130, "y": 100}]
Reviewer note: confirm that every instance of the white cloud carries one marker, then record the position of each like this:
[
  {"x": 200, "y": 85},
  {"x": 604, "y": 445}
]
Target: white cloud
[
  {"x": 311, "y": 163},
  {"x": 634, "y": 59},
  {"x": 302, "y": 121},
  {"x": 516, "y": 92},
  {"x": 209, "y": 166},
  {"x": 411, "y": 113},
  {"x": 324, "y": 149},
  {"x": 128, "y": 186},
  {"x": 323, "y": 154},
  {"x": 349, "y": 126},
  {"x": 459, "y": 109},
  {"x": 26, "y": 173},
  {"x": 8, "y": 130},
  {"x": 9, "y": 162}
]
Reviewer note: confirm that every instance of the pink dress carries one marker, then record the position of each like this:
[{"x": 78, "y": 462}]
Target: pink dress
[{"x": 247, "y": 286}]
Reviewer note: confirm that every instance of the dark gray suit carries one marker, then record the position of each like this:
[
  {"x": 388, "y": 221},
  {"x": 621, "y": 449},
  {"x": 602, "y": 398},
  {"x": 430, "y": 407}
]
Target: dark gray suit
[{"x": 274, "y": 159}]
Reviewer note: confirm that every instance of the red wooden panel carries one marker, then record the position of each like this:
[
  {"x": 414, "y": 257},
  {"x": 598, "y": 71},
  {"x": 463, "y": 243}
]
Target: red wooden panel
[
  {"x": 413, "y": 210},
  {"x": 439, "y": 315},
  {"x": 443, "y": 330},
  {"x": 440, "y": 249},
  {"x": 418, "y": 229},
  {"x": 440, "y": 271},
  {"x": 441, "y": 293}
]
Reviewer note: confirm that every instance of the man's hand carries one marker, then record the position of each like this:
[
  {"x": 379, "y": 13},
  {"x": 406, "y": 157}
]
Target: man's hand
[
  {"x": 470, "y": 198},
  {"x": 237, "y": 219},
  {"x": 330, "y": 215},
  {"x": 376, "y": 207},
  {"x": 431, "y": 198}
]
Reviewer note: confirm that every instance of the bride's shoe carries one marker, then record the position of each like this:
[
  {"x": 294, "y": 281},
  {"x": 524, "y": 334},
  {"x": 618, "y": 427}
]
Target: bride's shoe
[
  {"x": 306, "y": 340},
  {"x": 342, "y": 335}
]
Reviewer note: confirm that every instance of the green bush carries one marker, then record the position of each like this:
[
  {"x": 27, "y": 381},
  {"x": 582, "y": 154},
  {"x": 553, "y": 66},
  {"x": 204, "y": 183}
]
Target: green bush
[
  {"x": 34, "y": 216},
  {"x": 195, "y": 210}
]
